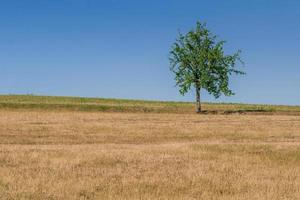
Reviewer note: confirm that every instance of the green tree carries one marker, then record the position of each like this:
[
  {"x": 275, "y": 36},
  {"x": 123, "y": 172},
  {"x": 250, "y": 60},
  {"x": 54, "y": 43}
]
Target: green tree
[{"x": 198, "y": 60}]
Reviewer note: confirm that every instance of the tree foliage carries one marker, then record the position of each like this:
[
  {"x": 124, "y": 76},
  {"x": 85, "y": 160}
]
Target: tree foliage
[{"x": 198, "y": 60}]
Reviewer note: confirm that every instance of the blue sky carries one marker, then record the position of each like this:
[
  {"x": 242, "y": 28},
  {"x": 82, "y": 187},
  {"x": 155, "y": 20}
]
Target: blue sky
[{"x": 120, "y": 48}]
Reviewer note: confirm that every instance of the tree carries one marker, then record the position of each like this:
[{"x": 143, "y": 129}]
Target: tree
[{"x": 198, "y": 60}]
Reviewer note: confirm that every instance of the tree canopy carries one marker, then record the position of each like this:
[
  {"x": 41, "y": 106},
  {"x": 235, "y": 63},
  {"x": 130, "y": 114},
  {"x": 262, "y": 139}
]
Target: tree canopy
[{"x": 198, "y": 60}]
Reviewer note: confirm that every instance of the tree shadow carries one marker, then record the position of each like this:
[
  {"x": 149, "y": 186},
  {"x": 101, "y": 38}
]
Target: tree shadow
[{"x": 228, "y": 112}]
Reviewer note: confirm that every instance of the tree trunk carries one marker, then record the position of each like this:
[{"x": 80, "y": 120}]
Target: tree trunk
[{"x": 198, "y": 102}]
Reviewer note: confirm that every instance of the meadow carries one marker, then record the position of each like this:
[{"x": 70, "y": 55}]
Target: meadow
[{"x": 89, "y": 148}]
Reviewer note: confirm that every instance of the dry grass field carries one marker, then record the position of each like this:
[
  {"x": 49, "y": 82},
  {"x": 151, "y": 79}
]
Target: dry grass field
[{"x": 68, "y": 154}]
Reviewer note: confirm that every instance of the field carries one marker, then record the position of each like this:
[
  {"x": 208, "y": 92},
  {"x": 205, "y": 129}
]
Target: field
[{"x": 80, "y": 148}]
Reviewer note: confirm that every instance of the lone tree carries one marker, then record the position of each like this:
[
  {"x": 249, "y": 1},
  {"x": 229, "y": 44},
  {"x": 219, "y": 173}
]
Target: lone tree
[{"x": 198, "y": 60}]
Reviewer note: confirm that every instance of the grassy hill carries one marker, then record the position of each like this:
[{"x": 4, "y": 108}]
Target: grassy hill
[
  {"x": 65, "y": 148},
  {"x": 124, "y": 105}
]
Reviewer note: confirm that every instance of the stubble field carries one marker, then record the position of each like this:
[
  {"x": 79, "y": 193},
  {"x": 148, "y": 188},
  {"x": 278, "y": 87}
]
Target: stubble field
[{"x": 65, "y": 154}]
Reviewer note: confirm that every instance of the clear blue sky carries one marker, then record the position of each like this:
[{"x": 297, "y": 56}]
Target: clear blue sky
[{"x": 120, "y": 48}]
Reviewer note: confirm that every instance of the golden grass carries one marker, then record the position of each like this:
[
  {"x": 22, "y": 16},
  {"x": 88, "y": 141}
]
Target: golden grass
[{"x": 89, "y": 155}]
